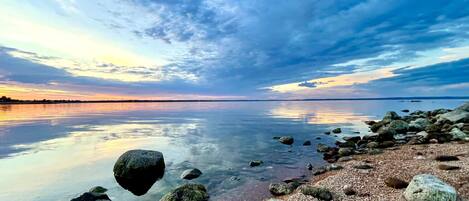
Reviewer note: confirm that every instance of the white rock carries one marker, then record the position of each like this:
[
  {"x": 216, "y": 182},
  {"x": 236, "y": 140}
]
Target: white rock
[{"x": 425, "y": 187}]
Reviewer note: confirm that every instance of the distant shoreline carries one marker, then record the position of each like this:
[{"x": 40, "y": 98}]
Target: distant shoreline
[{"x": 411, "y": 99}]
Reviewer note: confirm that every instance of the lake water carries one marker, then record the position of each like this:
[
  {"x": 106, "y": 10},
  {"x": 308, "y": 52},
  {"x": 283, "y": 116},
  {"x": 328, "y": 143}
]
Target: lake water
[{"x": 57, "y": 152}]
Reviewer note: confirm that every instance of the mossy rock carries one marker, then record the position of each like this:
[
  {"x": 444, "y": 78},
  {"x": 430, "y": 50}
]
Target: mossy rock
[{"x": 187, "y": 192}]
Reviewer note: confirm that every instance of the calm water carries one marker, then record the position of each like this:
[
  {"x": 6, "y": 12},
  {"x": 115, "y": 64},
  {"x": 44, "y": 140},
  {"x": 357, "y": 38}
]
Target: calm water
[{"x": 57, "y": 152}]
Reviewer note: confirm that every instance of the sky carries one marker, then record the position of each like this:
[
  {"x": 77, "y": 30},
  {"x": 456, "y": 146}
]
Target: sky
[{"x": 233, "y": 49}]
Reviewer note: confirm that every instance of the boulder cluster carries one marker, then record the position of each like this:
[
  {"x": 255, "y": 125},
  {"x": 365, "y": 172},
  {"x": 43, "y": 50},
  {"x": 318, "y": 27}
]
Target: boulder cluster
[{"x": 419, "y": 127}]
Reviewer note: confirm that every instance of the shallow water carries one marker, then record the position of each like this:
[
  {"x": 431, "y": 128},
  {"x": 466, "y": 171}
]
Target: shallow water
[{"x": 57, "y": 152}]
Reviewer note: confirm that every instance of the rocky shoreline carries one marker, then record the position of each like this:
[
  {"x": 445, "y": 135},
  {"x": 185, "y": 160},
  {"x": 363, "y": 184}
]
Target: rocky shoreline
[
  {"x": 415, "y": 157},
  {"x": 422, "y": 156}
]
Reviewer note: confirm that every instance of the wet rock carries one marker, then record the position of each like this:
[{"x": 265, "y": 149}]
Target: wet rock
[
  {"x": 363, "y": 167},
  {"x": 255, "y": 163},
  {"x": 276, "y": 137},
  {"x": 457, "y": 134},
  {"x": 288, "y": 140},
  {"x": 187, "y": 192},
  {"x": 307, "y": 143},
  {"x": 405, "y": 110},
  {"x": 345, "y": 159},
  {"x": 349, "y": 144},
  {"x": 375, "y": 127},
  {"x": 433, "y": 128},
  {"x": 98, "y": 189},
  {"x": 448, "y": 167},
  {"x": 399, "y": 126},
  {"x": 327, "y": 132},
  {"x": 348, "y": 190},
  {"x": 309, "y": 166},
  {"x": 322, "y": 147},
  {"x": 370, "y": 122},
  {"x": 89, "y": 196},
  {"x": 353, "y": 139},
  {"x": 425, "y": 187},
  {"x": 345, "y": 151},
  {"x": 333, "y": 167},
  {"x": 440, "y": 111},
  {"x": 446, "y": 158},
  {"x": 395, "y": 183},
  {"x": 191, "y": 174},
  {"x": 138, "y": 170},
  {"x": 455, "y": 116},
  {"x": 337, "y": 130},
  {"x": 317, "y": 192},
  {"x": 278, "y": 189}
]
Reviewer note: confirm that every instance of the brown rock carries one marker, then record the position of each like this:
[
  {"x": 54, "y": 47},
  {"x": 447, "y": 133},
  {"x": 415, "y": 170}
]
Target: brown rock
[{"x": 446, "y": 158}]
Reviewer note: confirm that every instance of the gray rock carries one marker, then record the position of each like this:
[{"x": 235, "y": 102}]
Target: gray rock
[
  {"x": 345, "y": 151},
  {"x": 345, "y": 159},
  {"x": 422, "y": 134},
  {"x": 138, "y": 170},
  {"x": 386, "y": 133},
  {"x": 278, "y": 189},
  {"x": 399, "y": 126},
  {"x": 187, "y": 192},
  {"x": 419, "y": 124},
  {"x": 348, "y": 190},
  {"x": 191, "y": 174},
  {"x": 455, "y": 116},
  {"x": 425, "y": 187},
  {"x": 464, "y": 107},
  {"x": 317, "y": 192},
  {"x": 288, "y": 140},
  {"x": 372, "y": 145},
  {"x": 389, "y": 116},
  {"x": 458, "y": 134}
]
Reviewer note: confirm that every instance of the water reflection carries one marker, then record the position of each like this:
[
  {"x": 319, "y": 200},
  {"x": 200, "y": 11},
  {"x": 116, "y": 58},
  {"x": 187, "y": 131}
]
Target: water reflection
[{"x": 55, "y": 152}]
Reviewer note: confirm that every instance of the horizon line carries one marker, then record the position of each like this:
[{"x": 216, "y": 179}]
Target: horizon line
[{"x": 46, "y": 101}]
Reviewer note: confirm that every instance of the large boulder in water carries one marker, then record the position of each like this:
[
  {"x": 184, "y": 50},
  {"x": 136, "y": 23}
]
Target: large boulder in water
[
  {"x": 191, "y": 174},
  {"x": 187, "y": 192},
  {"x": 425, "y": 187},
  {"x": 138, "y": 170}
]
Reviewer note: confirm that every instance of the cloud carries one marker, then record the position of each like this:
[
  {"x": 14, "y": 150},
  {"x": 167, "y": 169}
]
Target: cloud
[{"x": 308, "y": 84}]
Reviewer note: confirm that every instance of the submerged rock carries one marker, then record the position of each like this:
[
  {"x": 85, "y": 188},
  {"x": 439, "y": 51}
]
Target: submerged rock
[
  {"x": 288, "y": 140},
  {"x": 255, "y": 163},
  {"x": 98, "y": 189},
  {"x": 191, "y": 174},
  {"x": 138, "y": 170},
  {"x": 337, "y": 130},
  {"x": 187, "y": 192},
  {"x": 307, "y": 143},
  {"x": 89, "y": 196},
  {"x": 425, "y": 187}
]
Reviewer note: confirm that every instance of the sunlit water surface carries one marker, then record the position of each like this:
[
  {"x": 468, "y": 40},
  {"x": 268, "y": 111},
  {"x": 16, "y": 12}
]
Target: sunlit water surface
[{"x": 57, "y": 152}]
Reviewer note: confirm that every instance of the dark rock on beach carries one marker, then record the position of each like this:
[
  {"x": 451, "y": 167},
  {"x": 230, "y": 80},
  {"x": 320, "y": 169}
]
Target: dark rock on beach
[
  {"x": 317, "y": 192},
  {"x": 278, "y": 189},
  {"x": 94, "y": 194},
  {"x": 448, "y": 167},
  {"x": 187, "y": 192},
  {"x": 395, "y": 183},
  {"x": 191, "y": 174},
  {"x": 446, "y": 158},
  {"x": 138, "y": 170}
]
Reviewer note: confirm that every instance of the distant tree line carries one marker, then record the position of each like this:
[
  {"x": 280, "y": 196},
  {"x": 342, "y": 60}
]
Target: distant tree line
[{"x": 5, "y": 99}]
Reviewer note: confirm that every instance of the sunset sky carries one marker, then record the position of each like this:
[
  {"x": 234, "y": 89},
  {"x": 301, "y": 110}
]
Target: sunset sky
[{"x": 243, "y": 49}]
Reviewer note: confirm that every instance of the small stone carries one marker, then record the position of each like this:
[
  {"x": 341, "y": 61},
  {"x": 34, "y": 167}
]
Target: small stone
[
  {"x": 334, "y": 167},
  {"x": 337, "y": 130},
  {"x": 448, "y": 167},
  {"x": 309, "y": 166},
  {"x": 288, "y": 140},
  {"x": 318, "y": 138},
  {"x": 363, "y": 167},
  {"x": 255, "y": 163},
  {"x": 446, "y": 158},
  {"x": 327, "y": 132},
  {"x": 395, "y": 183},
  {"x": 276, "y": 137},
  {"x": 405, "y": 110},
  {"x": 348, "y": 190},
  {"x": 433, "y": 141},
  {"x": 345, "y": 158},
  {"x": 307, "y": 143},
  {"x": 322, "y": 147},
  {"x": 191, "y": 174}
]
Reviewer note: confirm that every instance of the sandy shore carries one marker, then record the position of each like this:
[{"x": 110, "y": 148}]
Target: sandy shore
[{"x": 401, "y": 162}]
